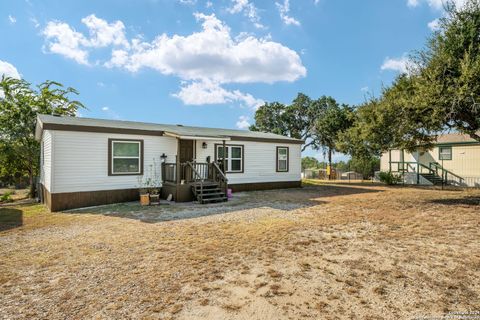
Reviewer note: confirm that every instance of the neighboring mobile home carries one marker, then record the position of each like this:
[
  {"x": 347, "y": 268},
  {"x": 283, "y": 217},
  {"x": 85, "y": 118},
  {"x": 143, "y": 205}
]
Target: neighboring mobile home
[
  {"x": 454, "y": 160},
  {"x": 86, "y": 162}
]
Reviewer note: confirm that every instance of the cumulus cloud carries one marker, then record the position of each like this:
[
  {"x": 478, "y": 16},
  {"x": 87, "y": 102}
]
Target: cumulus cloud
[
  {"x": 284, "y": 9},
  {"x": 248, "y": 9},
  {"x": 396, "y": 64},
  {"x": 434, "y": 25},
  {"x": 8, "y": 70},
  {"x": 64, "y": 40},
  {"x": 103, "y": 34},
  {"x": 204, "y": 60},
  {"x": 214, "y": 55},
  {"x": 243, "y": 122},
  {"x": 207, "y": 92}
]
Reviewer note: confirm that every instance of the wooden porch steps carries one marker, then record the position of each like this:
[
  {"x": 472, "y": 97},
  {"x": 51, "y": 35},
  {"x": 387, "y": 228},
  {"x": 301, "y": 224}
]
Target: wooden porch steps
[
  {"x": 210, "y": 193},
  {"x": 433, "y": 178}
]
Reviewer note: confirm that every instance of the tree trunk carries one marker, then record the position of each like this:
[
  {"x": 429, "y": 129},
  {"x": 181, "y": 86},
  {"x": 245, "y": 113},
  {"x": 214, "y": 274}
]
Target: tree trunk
[
  {"x": 330, "y": 163},
  {"x": 32, "y": 184}
]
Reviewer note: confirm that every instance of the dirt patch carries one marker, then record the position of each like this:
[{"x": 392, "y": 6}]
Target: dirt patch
[{"x": 326, "y": 251}]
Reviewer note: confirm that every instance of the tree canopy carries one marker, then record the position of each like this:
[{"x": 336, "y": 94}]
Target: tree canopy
[
  {"x": 296, "y": 120},
  {"x": 440, "y": 92},
  {"x": 19, "y": 106}
]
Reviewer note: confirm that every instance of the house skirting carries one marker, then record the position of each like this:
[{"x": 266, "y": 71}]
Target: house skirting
[
  {"x": 237, "y": 187},
  {"x": 72, "y": 200},
  {"x": 181, "y": 193}
]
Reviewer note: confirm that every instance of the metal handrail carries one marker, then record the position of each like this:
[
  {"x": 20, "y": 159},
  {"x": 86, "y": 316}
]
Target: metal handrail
[{"x": 438, "y": 166}]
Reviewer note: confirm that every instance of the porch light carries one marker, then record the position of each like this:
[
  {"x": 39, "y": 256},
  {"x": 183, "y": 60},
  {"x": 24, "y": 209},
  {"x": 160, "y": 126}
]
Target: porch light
[
  {"x": 163, "y": 157},
  {"x": 204, "y": 145}
]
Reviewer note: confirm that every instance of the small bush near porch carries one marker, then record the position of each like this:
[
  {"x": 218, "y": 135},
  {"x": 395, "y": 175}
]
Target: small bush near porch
[{"x": 324, "y": 251}]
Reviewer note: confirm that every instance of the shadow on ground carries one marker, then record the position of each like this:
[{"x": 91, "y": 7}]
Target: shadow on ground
[
  {"x": 10, "y": 218},
  {"x": 281, "y": 200},
  {"x": 466, "y": 201}
]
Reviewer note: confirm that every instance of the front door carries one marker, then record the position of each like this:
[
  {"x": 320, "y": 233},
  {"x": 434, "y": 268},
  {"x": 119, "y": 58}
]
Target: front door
[{"x": 186, "y": 151}]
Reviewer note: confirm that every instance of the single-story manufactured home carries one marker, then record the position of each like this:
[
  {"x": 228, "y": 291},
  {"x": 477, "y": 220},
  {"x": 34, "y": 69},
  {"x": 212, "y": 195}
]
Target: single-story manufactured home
[
  {"x": 454, "y": 160},
  {"x": 87, "y": 162}
]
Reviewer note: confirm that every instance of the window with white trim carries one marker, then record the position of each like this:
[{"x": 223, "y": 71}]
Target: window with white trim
[
  {"x": 125, "y": 157},
  {"x": 233, "y": 157},
  {"x": 282, "y": 159},
  {"x": 445, "y": 153}
]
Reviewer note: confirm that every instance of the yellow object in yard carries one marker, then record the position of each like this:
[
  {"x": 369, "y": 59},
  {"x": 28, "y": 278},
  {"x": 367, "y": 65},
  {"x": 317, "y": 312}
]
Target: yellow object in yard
[
  {"x": 145, "y": 199},
  {"x": 329, "y": 170}
]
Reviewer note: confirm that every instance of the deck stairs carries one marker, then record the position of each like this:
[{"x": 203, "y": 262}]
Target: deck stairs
[
  {"x": 435, "y": 179},
  {"x": 208, "y": 192}
]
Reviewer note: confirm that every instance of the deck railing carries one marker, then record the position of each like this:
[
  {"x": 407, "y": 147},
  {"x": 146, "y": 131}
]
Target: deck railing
[
  {"x": 434, "y": 168},
  {"x": 191, "y": 172}
]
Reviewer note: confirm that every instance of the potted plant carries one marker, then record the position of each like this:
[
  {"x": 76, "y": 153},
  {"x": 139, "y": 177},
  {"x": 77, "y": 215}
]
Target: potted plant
[
  {"x": 154, "y": 196},
  {"x": 144, "y": 197},
  {"x": 149, "y": 186}
]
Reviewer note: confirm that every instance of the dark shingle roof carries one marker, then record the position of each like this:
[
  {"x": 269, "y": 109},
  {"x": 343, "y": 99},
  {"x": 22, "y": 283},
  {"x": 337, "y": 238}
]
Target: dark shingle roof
[{"x": 179, "y": 130}]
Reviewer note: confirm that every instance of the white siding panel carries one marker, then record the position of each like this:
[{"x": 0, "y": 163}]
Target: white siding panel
[
  {"x": 260, "y": 161},
  {"x": 81, "y": 160},
  {"x": 46, "y": 172}
]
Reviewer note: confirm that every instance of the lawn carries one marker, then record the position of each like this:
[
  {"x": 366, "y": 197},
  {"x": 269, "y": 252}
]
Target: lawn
[{"x": 326, "y": 251}]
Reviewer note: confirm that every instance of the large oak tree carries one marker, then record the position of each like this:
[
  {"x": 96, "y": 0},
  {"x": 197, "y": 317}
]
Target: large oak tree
[{"x": 19, "y": 106}]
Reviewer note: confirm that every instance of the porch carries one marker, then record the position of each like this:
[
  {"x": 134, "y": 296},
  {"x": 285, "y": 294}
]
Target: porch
[
  {"x": 190, "y": 181},
  {"x": 414, "y": 172}
]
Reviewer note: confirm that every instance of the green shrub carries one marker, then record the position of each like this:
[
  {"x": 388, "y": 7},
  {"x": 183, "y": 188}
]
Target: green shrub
[
  {"x": 389, "y": 178},
  {"x": 6, "y": 197}
]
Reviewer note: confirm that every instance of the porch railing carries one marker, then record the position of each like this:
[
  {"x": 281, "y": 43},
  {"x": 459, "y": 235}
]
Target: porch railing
[
  {"x": 219, "y": 176},
  {"x": 191, "y": 172}
]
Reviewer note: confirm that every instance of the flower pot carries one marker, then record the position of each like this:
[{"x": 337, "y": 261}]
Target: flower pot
[
  {"x": 154, "y": 199},
  {"x": 145, "y": 199}
]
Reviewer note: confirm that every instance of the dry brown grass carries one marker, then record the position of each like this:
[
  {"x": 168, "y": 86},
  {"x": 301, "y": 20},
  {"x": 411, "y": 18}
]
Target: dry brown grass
[{"x": 333, "y": 251}]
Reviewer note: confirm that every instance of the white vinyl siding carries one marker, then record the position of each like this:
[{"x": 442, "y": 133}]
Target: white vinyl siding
[
  {"x": 81, "y": 161},
  {"x": 259, "y": 161},
  {"x": 46, "y": 159}
]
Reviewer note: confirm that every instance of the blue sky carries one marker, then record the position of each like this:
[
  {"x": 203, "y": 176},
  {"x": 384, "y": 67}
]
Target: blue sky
[{"x": 210, "y": 63}]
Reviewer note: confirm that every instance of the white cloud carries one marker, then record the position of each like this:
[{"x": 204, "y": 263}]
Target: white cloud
[
  {"x": 64, "y": 40},
  {"x": 12, "y": 19},
  {"x": 434, "y": 25},
  {"x": 208, "y": 4},
  {"x": 412, "y": 3},
  {"x": 396, "y": 64},
  {"x": 212, "y": 54},
  {"x": 284, "y": 9},
  {"x": 103, "y": 34},
  {"x": 248, "y": 9},
  {"x": 364, "y": 89},
  {"x": 243, "y": 123},
  {"x": 110, "y": 113},
  {"x": 8, "y": 70},
  {"x": 207, "y": 92},
  {"x": 188, "y": 2},
  {"x": 436, "y": 4},
  {"x": 205, "y": 60}
]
